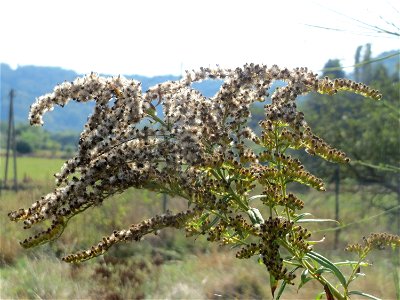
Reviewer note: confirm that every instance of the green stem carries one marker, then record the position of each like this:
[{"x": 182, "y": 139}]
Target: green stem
[
  {"x": 323, "y": 281},
  {"x": 235, "y": 197},
  {"x": 282, "y": 180},
  {"x": 151, "y": 113},
  {"x": 219, "y": 215},
  {"x": 353, "y": 273},
  {"x": 239, "y": 241}
]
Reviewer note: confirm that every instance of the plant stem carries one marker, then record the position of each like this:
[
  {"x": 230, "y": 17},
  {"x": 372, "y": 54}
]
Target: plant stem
[
  {"x": 312, "y": 271},
  {"x": 217, "y": 174},
  {"x": 355, "y": 268}
]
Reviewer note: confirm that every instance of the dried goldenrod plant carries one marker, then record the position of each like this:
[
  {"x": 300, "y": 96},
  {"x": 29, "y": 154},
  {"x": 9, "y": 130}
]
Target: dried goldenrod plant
[{"x": 203, "y": 150}]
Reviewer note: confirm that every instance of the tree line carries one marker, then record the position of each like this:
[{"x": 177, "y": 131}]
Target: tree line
[{"x": 34, "y": 139}]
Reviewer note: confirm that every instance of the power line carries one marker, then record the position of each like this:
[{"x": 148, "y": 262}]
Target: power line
[
  {"x": 360, "y": 221},
  {"x": 361, "y": 63}
]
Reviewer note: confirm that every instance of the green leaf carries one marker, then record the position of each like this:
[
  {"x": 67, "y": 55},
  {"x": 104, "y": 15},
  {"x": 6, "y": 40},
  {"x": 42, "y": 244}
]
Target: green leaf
[
  {"x": 317, "y": 221},
  {"x": 327, "y": 264},
  {"x": 301, "y": 216},
  {"x": 255, "y": 216},
  {"x": 323, "y": 270},
  {"x": 281, "y": 289},
  {"x": 319, "y": 296},
  {"x": 273, "y": 283},
  {"x": 213, "y": 222},
  {"x": 304, "y": 274},
  {"x": 291, "y": 262},
  {"x": 351, "y": 263},
  {"x": 226, "y": 198},
  {"x": 237, "y": 245},
  {"x": 203, "y": 218},
  {"x": 304, "y": 279},
  {"x": 316, "y": 242},
  {"x": 363, "y": 294},
  {"x": 256, "y": 197},
  {"x": 283, "y": 285},
  {"x": 252, "y": 216}
]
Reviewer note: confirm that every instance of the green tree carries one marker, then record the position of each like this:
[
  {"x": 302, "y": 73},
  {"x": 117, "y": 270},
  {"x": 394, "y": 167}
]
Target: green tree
[
  {"x": 366, "y": 67},
  {"x": 367, "y": 132},
  {"x": 36, "y": 137},
  {"x": 333, "y": 69},
  {"x": 357, "y": 60},
  {"x": 23, "y": 147},
  {"x": 67, "y": 139}
]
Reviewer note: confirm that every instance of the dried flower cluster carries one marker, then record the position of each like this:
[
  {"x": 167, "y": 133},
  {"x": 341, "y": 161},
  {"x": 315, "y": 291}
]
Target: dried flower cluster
[
  {"x": 201, "y": 149},
  {"x": 271, "y": 232},
  {"x": 374, "y": 241},
  {"x": 134, "y": 233}
]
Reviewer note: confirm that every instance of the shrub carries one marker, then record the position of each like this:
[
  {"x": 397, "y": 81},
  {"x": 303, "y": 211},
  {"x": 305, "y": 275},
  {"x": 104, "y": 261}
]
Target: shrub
[
  {"x": 203, "y": 150},
  {"x": 23, "y": 147}
]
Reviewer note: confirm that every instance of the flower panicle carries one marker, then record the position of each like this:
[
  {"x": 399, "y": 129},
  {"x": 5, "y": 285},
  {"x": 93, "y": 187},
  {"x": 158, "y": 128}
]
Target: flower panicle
[
  {"x": 327, "y": 86},
  {"x": 53, "y": 232},
  {"x": 134, "y": 233},
  {"x": 376, "y": 241}
]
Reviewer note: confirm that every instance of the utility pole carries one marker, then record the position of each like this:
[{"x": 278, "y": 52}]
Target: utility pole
[
  {"x": 11, "y": 142},
  {"x": 337, "y": 187},
  {"x": 165, "y": 202}
]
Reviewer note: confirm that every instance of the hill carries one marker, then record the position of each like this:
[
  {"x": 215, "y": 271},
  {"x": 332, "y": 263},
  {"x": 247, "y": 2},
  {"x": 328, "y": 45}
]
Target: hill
[
  {"x": 391, "y": 64},
  {"x": 30, "y": 82}
]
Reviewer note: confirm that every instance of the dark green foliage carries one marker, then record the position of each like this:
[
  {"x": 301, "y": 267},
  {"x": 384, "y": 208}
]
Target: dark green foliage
[
  {"x": 357, "y": 59},
  {"x": 366, "y": 68},
  {"x": 67, "y": 139},
  {"x": 366, "y": 131},
  {"x": 36, "y": 138},
  {"x": 23, "y": 147},
  {"x": 333, "y": 70}
]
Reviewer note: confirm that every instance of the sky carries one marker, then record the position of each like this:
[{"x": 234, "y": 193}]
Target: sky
[{"x": 160, "y": 37}]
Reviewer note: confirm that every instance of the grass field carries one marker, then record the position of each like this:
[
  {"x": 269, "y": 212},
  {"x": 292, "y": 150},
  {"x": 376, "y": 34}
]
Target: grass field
[
  {"x": 31, "y": 168},
  {"x": 167, "y": 265}
]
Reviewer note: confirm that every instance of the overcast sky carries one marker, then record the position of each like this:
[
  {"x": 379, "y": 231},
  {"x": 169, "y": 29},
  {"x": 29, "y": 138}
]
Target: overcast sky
[{"x": 157, "y": 37}]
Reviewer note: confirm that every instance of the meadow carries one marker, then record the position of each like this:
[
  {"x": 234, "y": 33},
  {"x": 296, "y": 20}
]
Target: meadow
[{"x": 169, "y": 265}]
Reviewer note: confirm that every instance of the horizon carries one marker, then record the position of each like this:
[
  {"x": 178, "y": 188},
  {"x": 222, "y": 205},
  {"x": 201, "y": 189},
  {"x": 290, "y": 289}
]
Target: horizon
[{"x": 14, "y": 68}]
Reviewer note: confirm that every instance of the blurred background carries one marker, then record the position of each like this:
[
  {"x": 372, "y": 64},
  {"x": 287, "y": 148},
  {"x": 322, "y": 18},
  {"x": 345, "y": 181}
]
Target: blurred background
[{"x": 44, "y": 43}]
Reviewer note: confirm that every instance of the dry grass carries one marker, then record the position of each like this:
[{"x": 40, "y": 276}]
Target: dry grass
[{"x": 176, "y": 267}]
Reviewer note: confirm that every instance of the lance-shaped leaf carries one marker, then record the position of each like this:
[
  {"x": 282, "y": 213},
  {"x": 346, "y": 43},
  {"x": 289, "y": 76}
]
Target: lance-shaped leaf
[
  {"x": 327, "y": 264},
  {"x": 364, "y": 295}
]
